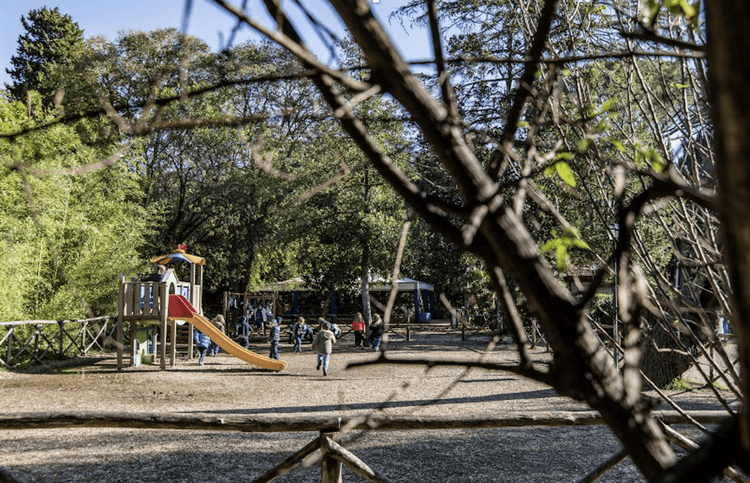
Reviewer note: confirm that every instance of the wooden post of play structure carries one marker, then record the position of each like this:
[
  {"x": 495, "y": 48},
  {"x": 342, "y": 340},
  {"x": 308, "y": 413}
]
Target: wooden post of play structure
[
  {"x": 164, "y": 313},
  {"x": 330, "y": 468},
  {"x": 200, "y": 282},
  {"x": 120, "y": 317},
  {"x": 173, "y": 345},
  {"x": 173, "y": 335},
  {"x": 141, "y": 295},
  {"x": 191, "y": 349},
  {"x": 224, "y": 307},
  {"x": 193, "y": 292}
]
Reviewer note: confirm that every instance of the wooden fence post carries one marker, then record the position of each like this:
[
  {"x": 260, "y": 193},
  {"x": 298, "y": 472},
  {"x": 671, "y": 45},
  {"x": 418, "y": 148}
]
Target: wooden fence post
[
  {"x": 60, "y": 325},
  {"x": 163, "y": 314},
  {"x": 10, "y": 345},
  {"x": 36, "y": 341},
  {"x": 330, "y": 468},
  {"x": 120, "y": 320}
]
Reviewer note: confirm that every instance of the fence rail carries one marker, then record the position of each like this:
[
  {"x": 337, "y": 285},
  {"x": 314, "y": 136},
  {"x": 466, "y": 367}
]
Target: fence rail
[
  {"x": 79, "y": 335},
  {"x": 325, "y": 449},
  {"x": 327, "y": 424}
]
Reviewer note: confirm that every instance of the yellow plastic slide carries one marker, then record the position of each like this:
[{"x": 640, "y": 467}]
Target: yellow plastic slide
[{"x": 205, "y": 326}]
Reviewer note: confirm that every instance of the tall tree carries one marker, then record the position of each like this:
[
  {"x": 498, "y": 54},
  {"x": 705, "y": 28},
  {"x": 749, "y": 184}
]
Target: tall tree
[{"x": 51, "y": 39}]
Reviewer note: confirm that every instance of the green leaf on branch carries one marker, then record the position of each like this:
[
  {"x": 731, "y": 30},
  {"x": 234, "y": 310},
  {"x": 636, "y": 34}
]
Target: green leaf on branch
[
  {"x": 617, "y": 144},
  {"x": 606, "y": 106},
  {"x": 583, "y": 145},
  {"x": 652, "y": 158},
  {"x": 570, "y": 238},
  {"x": 562, "y": 168},
  {"x": 565, "y": 173}
]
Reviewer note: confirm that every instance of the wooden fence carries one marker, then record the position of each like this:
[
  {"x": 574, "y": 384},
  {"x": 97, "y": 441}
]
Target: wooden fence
[
  {"x": 325, "y": 449},
  {"x": 81, "y": 335}
]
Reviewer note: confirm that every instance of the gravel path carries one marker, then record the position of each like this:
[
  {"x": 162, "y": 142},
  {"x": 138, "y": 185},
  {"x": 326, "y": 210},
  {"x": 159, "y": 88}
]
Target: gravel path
[{"x": 227, "y": 385}]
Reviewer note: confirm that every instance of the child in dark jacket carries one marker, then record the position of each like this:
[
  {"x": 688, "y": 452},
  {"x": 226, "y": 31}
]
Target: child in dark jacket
[
  {"x": 274, "y": 336},
  {"x": 299, "y": 330},
  {"x": 243, "y": 330},
  {"x": 202, "y": 342},
  {"x": 376, "y": 332},
  {"x": 218, "y": 322}
]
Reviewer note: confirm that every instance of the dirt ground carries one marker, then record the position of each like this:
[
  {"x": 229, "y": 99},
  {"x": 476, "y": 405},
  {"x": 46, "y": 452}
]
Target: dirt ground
[{"x": 226, "y": 385}]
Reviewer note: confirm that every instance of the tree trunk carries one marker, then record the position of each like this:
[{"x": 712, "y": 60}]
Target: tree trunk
[
  {"x": 669, "y": 361},
  {"x": 728, "y": 25},
  {"x": 366, "y": 308}
]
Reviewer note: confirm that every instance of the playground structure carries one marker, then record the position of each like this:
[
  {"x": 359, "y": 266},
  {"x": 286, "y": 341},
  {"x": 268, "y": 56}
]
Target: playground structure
[{"x": 161, "y": 300}]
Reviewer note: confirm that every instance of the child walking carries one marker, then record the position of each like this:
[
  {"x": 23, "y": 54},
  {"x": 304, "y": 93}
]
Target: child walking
[
  {"x": 323, "y": 342},
  {"x": 202, "y": 342},
  {"x": 218, "y": 322}
]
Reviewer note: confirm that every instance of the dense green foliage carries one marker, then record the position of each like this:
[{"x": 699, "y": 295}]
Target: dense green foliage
[{"x": 65, "y": 232}]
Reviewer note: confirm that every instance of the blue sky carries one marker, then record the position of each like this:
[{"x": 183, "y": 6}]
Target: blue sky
[{"x": 107, "y": 18}]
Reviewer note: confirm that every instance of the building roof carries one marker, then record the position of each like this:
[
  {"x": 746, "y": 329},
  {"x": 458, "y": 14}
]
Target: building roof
[{"x": 404, "y": 285}]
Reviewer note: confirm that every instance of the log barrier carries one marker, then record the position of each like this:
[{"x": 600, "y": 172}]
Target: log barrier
[{"x": 324, "y": 449}]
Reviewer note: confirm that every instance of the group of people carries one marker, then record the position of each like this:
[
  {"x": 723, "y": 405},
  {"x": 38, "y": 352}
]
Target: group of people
[
  {"x": 256, "y": 316},
  {"x": 322, "y": 341},
  {"x": 360, "y": 334}
]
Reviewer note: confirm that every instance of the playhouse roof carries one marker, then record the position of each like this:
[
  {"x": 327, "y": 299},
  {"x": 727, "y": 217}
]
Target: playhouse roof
[
  {"x": 378, "y": 285},
  {"x": 404, "y": 284},
  {"x": 178, "y": 254}
]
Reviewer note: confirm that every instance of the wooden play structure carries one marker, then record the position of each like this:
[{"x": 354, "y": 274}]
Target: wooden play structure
[{"x": 161, "y": 300}]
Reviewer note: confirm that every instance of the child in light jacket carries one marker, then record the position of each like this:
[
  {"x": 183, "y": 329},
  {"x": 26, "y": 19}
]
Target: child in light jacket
[{"x": 323, "y": 342}]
